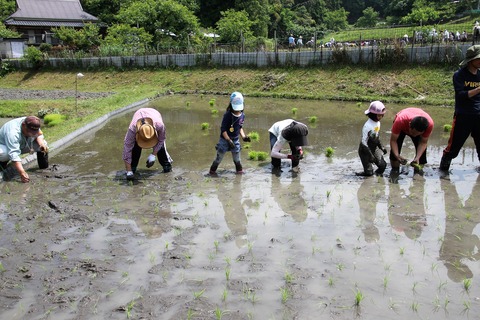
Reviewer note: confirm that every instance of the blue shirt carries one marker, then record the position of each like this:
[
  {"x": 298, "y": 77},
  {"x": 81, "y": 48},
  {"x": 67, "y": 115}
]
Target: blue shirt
[{"x": 232, "y": 124}]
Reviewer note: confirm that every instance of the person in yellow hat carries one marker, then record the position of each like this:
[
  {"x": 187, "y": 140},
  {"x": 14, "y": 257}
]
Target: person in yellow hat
[{"x": 146, "y": 131}]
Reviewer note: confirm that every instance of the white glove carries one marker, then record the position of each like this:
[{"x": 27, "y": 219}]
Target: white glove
[{"x": 150, "y": 160}]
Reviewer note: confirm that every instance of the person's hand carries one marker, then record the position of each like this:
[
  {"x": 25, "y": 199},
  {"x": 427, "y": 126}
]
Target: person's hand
[
  {"x": 231, "y": 144},
  {"x": 150, "y": 160},
  {"x": 44, "y": 148},
  {"x": 24, "y": 176},
  {"x": 294, "y": 157},
  {"x": 384, "y": 150},
  {"x": 247, "y": 139},
  {"x": 402, "y": 160}
]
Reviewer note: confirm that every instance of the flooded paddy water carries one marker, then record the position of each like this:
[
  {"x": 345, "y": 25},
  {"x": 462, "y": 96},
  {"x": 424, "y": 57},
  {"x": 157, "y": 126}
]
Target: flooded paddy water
[{"x": 79, "y": 242}]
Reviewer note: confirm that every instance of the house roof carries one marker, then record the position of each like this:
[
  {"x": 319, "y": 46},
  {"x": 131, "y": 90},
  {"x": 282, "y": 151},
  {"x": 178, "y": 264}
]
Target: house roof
[{"x": 49, "y": 11}]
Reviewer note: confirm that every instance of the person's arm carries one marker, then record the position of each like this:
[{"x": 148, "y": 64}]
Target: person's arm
[
  {"x": 21, "y": 171},
  {"x": 275, "y": 153},
  {"x": 394, "y": 147},
  {"x": 41, "y": 142},
  {"x": 128, "y": 145},
  {"x": 422, "y": 146}
]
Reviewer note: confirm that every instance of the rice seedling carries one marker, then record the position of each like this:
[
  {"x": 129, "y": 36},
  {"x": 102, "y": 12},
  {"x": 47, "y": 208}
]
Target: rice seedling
[
  {"x": 294, "y": 111},
  {"x": 402, "y": 251},
  {"x": 358, "y": 298},
  {"x": 257, "y": 155},
  {"x": 288, "y": 277},
  {"x": 211, "y": 102},
  {"x": 187, "y": 103},
  {"x": 167, "y": 244},
  {"x": 254, "y": 136},
  {"x": 466, "y": 307},
  {"x": 329, "y": 151},
  {"x": 414, "y": 306},
  {"x": 285, "y": 294},
  {"x": 227, "y": 273},
  {"x": 447, "y": 127},
  {"x": 312, "y": 119},
  {"x": 436, "y": 303},
  {"x": 340, "y": 266},
  {"x": 219, "y": 313},
  {"x": 214, "y": 112},
  {"x": 385, "y": 282},
  {"x": 129, "y": 308},
  {"x": 216, "y": 244},
  {"x": 331, "y": 282},
  {"x": 2, "y": 268},
  {"x": 205, "y": 125},
  {"x": 198, "y": 294},
  {"x": 467, "y": 284},
  {"x": 227, "y": 260},
  {"x": 224, "y": 294},
  {"x": 190, "y": 314}
]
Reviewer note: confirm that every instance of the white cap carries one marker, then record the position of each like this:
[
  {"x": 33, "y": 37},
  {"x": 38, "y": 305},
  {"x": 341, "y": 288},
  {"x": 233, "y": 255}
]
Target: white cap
[
  {"x": 376, "y": 107},
  {"x": 236, "y": 99}
]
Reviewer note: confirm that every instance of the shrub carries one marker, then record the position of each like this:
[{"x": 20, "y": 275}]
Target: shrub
[
  {"x": 34, "y": 56},
  {"x": 53, "y": 119}
]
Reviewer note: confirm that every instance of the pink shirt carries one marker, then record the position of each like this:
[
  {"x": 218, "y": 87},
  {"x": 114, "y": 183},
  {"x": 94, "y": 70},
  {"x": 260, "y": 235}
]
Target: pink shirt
[
  {"x": 130, "y": 139},
  {"x": 401, "y": 123}
]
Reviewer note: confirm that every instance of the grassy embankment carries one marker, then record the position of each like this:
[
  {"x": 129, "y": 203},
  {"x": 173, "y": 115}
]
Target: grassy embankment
[{"x": 409, "y": 85}]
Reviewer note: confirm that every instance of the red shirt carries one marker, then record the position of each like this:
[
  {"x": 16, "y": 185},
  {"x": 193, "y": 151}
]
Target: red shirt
[{"x": 402, "y": 120}]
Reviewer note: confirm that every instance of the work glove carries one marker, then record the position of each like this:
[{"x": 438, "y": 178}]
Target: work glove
[
  {"x": 300, "y": 153},
  {"x": 294, "y": 157},
  {"x": 150, "y": 160},
  {"x": 231, "y": 144},
  {"x": 247, "y": 139},
  {"x": 384, "y": 150},
  {"x": 130, "y": 175}
]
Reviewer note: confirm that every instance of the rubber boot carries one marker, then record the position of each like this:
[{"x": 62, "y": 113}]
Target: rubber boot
[
  {"x": 42, "y": 160},
  {"x": 445, "y": 164},
  {"x": 239, "y": 168},
  {"x": 364, "y": 174},
  {"x": 213, "y": 170},
  {"x": 167, "y": 168}
]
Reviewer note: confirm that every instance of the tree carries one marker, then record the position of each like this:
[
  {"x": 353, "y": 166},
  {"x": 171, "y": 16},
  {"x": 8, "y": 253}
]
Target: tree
[
  {"x": 163, "y": 19},
  {"x": 369, "y": 18},
  {"x": 105, "y": 10},
  {"x": 7, "y": 7},
  {"x": 336, "y": 20},
  {"x": 128, "y": 37},
  {"x": 234, "y": 25},
  {"x": 421, "y": 11},
  {"x": 257, "y": 11},
  {"x": 82, "y": 39}
]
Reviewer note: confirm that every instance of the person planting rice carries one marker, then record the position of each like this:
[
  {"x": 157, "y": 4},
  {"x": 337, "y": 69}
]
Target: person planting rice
[
  {"x": 418, "y": 125},
  {"x": 287, "y": 131},
  {"x": 231, "y": 130},
  {"x": 371, "y": 149},
  {"x": 146, "y": 131}
]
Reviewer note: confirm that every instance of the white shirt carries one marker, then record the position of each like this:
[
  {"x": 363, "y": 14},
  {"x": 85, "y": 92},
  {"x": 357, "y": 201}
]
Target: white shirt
[
  {"x": 277, "y": 129},
  {"x": 368, "y": 127}
]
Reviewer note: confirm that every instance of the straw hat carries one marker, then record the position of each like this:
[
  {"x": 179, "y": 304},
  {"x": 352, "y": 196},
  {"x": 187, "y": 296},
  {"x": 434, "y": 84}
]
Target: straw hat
[{"x": 146, "y": 136}]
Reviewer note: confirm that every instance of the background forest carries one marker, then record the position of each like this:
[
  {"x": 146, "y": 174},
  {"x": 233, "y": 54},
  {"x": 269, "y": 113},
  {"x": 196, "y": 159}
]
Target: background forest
[{"x": 140, "y": 25}]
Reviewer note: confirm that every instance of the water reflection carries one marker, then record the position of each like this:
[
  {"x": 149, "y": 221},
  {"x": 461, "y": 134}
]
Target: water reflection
[
  {"x": 369, "y": 194},
  {"x": 460, "y": 244},
  {"x": 288, "y": 195},
  {"x": 230, "y": 195},
  {"x": 406, "y": 210}
]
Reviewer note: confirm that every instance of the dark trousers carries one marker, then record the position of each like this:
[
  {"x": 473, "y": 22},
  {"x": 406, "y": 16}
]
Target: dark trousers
[
  {"x": 276, "y": 163},
  {"x": 463, "y": 126},
  {"x": 416, "y": 141},
  {"x": 161, "y": 155},
  {"x": 365, "y": 157}
]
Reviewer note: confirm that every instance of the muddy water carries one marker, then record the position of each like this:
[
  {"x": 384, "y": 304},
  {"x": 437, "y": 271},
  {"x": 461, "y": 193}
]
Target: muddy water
[{"x": 79, "y": 242}]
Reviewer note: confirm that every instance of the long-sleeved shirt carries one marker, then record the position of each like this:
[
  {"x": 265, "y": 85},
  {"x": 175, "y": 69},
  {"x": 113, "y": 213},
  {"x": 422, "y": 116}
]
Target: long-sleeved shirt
[
  {"x": 464, "y": 81},
  {"x": 130, "y": 137},
  {"x": 14, "y": 141}
]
